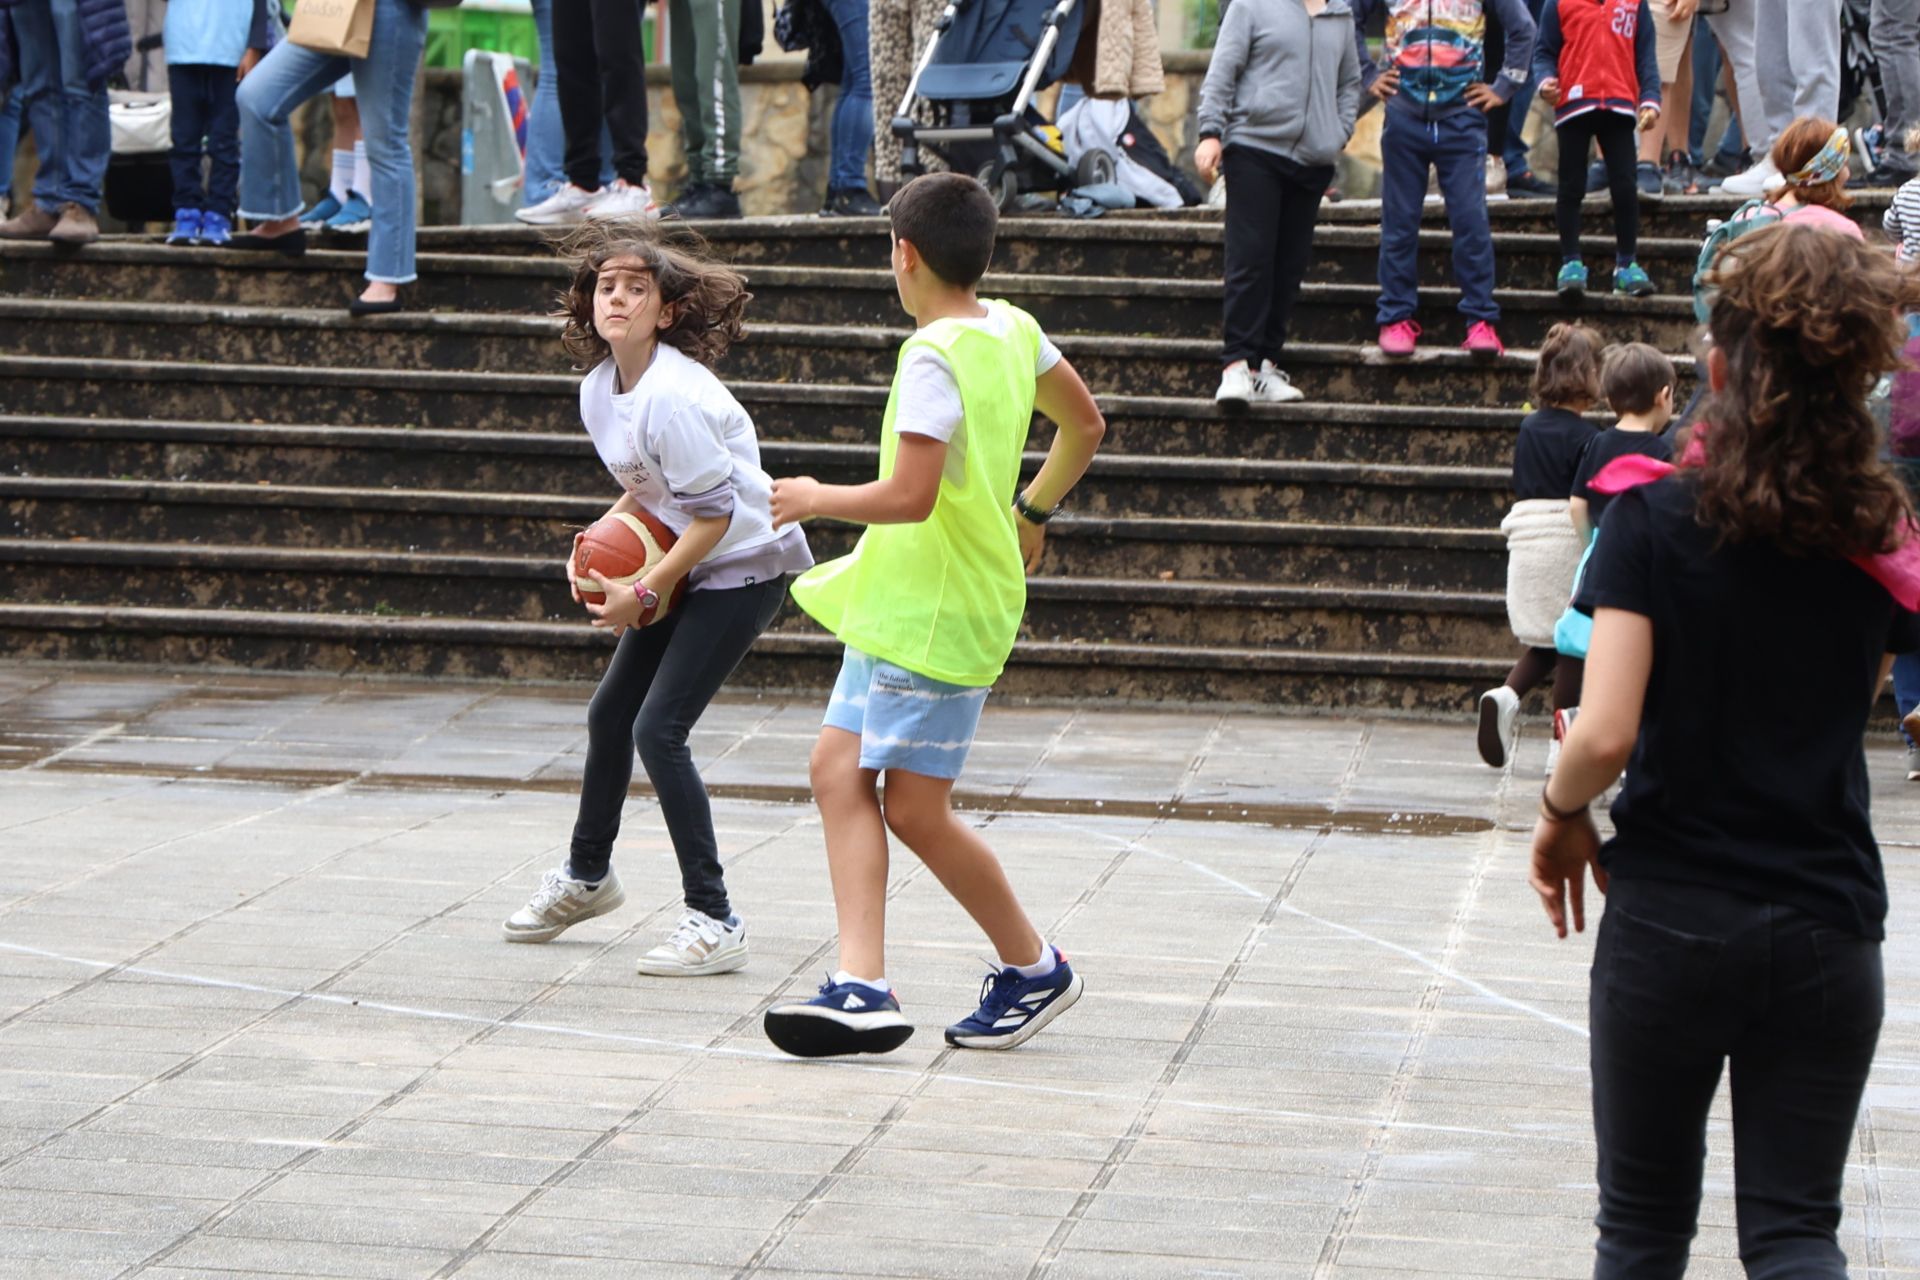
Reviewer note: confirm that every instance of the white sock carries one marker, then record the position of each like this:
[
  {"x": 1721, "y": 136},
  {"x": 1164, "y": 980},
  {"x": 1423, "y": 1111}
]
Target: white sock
[
  {"x": 362, "y": 178},
  {"x": 1040, "y": 968},
  {"x": 342, "y": 174},
  {"x": 878, "y": 984}
]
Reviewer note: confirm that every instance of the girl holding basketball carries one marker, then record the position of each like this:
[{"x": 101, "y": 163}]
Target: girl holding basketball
[{"x": 650, "y": 313}]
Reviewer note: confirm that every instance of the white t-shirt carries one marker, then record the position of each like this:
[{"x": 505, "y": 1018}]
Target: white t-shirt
[
  {"x": 930, "y": 397},
  {"x": 682, "y": 446}
]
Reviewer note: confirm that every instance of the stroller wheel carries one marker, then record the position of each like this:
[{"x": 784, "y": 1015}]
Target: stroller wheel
[
  {"x": 1003, "y": 182},
  {"x": 1095, "y": 168}
]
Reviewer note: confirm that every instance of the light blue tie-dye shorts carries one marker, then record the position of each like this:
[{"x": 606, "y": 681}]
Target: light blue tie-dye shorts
[{"x": 905, "y": 720}]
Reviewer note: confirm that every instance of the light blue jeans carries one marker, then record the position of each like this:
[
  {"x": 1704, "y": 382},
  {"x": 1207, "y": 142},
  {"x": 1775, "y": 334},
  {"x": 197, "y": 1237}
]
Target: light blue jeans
[
  {"x": 67, "y": 115},
  {"x": 9, "y": 140},
  {"x": 853, "y": 111},
  {"x": 287, "y": 77},
  {"x": 546, "y": 137}
]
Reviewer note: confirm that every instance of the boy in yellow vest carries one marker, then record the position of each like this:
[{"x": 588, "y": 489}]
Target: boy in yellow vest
[{"x": 928, "y": 605}]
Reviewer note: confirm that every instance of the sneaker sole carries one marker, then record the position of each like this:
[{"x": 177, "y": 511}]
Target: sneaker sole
[
  {"x": 1572, "y": 292},
  {"x": 723, "y": 962},
  {"x": 1492, "y": 749},
  {"x": 552, "y": 220},
  {"x": 349, "y": 228},
  {"x": 819, "y": 1034},
  {"x": 1033, "y": 1026},
  {"x": 1233, "y": 402},
  {"x": 551, "y": 932}
]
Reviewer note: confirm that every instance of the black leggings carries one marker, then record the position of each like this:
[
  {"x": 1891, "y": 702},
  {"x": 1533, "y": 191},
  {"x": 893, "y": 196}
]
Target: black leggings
[
  {"x": 656, "y": 687},
  {"x": 1536, "y": 665},
  {"x": 1687, "y": 980},
  {"x": 1618, "y": 138}
]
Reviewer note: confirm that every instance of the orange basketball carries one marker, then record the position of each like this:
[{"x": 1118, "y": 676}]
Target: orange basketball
[{"x": 622, "y": 548}]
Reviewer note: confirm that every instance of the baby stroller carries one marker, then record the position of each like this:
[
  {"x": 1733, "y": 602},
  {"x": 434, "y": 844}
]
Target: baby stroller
[{"x": 979, "y": 73}]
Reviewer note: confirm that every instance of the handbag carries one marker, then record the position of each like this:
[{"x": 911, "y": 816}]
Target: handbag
[{"x": 343, "y": 27}]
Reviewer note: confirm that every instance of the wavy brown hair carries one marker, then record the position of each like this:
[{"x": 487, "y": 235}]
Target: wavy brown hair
[
  {"x": 1808, "y": 321},
  {"x": 1567, "y": 372},
  {"x": 708, "y": 298}
]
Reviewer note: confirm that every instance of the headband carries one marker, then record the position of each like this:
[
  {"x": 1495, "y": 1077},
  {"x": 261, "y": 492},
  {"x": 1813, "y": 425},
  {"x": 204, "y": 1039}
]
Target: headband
[{"x": 1826, "y": 163}]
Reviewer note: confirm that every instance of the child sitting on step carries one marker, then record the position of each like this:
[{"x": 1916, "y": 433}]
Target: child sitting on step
[
  {"x": 1542, "y": 549},
  {"x": 651, "y": 313},
  {"x": 211, "y": 45},
  {"x": 928, "y": 605},
  {"x": 1599, "y": 67}
]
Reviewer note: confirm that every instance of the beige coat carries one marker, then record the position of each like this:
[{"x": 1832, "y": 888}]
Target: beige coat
[{"x": 1126, "y": 50}]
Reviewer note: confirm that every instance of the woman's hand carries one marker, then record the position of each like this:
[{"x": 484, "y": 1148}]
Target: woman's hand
[
  {"x": 1548, "y": 91},
  {"x": 1563, "y": 853},
  {"x": 793, "y": 499},
  {"x": 622, "y": 609},
  {"x": 573, "y": 572},
  {"x": 1649, "y": 117},
  {"x": 1206, "y": 158}
]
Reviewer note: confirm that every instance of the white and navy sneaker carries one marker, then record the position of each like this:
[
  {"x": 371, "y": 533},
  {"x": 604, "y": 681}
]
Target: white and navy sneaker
[
  {"x": 846, "y": 1017},
  {"x": 1013, "y": 1009}
]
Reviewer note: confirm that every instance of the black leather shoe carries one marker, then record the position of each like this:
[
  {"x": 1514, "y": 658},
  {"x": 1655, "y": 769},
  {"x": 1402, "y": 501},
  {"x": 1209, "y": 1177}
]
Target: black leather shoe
[
  {"x": 850, "y": 202},
  {"x": 704, "y": 200},
  {"x": 361, "y": 307},
  {"x": 1884, "y": 176},
  {"x": 291, "y": 243}
]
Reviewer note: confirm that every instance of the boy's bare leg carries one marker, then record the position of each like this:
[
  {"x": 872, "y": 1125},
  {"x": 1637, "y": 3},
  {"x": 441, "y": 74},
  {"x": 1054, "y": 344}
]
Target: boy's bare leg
[
  {"x": 856, "y": 836},
  {"x": 919, "y": 810}
]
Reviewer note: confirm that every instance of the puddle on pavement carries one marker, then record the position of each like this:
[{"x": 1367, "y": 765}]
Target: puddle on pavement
[{"x": 1398, "y": 822}]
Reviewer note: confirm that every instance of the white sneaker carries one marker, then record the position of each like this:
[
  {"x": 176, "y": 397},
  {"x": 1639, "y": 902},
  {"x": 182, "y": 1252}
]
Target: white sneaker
[
  {"x": 1553, "y": 755},
  {"x": 700, "y": 945},
  {"x": 560, "y": 903},
  {"x": 1499, "y": 711},
  {"x": 1757, "y": 181},
  {"x": 564, "y": 207},
  {"x": 1273, "y": 386},
  {"x": 621, "y": 199},
  {"x": 1913, "y": 764},
  {"x": 1496, "y": 178},
  {"x": 1236, "y": 386}
]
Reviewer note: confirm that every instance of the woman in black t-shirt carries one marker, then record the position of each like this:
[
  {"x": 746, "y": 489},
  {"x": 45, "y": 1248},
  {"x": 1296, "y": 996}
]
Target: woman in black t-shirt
[{"x": 1736, "y": 654}]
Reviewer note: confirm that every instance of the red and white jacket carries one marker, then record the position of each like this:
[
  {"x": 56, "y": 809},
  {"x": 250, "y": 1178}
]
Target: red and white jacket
[{"x": 1602, "y": 52}]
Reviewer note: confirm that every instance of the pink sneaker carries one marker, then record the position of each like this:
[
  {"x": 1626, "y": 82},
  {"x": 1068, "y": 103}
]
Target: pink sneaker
[
  {"x": 1398, "y": 339},
  {"x": 1482, "y": 341}
]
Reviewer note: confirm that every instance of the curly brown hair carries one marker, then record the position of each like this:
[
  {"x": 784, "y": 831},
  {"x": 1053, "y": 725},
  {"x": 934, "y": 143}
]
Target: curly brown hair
[
  {"x": 1567, "y": 372},
  {"x": 708, "y": 298},
  {"x": 1807, "y": 321}
]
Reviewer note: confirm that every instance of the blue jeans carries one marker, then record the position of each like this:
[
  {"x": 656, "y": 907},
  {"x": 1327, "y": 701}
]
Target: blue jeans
[
  {"x": 853, "y": 113},
  {"x": 9, "y": 140},
  {"x": 287, "y": 77},
  {"x": 67, "y": 115},
  {"x": 1706, "y": 87},
  {"x": 1906, "y": 687},
  {"x": 1513, "y": 148},
  {"x": 205, "y": 123},
  {"x": 1456, "y": 147}
]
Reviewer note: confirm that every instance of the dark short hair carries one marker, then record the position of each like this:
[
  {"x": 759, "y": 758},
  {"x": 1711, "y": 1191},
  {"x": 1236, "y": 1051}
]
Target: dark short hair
[
  {"x": 1568, "y": 370},
  {"x": 949, "y": 219},
  {"x": 1632, "y": 376}
]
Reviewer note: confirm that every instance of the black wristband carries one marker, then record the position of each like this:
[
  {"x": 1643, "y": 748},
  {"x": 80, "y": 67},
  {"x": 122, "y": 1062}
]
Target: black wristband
[
  {"x": 1555, "y": 812},
  {"x": 1032, "y": 513}
]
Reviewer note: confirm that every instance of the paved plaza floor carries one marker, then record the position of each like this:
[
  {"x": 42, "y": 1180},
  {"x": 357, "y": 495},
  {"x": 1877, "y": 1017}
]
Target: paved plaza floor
[{"x": 256, "y": 1016}]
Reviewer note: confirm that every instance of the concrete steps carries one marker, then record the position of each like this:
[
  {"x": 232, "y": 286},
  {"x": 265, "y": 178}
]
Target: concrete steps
[{"x": 209, "y": 462}]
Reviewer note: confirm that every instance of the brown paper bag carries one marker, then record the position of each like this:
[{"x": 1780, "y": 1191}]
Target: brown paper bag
[{"x": 344, "y": 27}]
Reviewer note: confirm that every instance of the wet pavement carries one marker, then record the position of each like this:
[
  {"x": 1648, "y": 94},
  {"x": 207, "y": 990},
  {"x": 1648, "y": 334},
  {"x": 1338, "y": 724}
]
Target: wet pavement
[{"x": 256, "y": 1018}]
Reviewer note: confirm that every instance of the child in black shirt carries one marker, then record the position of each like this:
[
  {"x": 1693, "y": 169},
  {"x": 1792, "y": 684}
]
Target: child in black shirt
[
  {"x": 1542, "y": 552},
  {"x": 1638, "y": 383}
]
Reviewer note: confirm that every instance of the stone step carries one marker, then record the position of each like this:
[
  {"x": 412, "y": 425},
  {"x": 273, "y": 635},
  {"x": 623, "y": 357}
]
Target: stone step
[
  {"x": 1438, "y": 374},
  {"x": 1134, "y": 547},
  {"x": 195, "y": 398},
  {"x": 320, "y": 643},
  {"x": 493, "y": 284},
  {"x": 527, "y": 463},
  {"x": 529, "y": 589}
]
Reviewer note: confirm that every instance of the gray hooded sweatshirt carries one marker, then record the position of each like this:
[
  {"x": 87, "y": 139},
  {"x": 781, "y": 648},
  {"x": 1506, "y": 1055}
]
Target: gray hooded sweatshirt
[{"x": 1283, "y": 81}]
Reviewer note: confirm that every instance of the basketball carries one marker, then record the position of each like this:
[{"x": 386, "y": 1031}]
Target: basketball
[{"x": 622, "y": 548}]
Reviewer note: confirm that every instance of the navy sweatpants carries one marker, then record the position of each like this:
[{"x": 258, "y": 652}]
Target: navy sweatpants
[{"x": 1456, "y": 147}]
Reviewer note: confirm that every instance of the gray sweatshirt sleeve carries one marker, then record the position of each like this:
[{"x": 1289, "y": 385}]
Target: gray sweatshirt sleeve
[
  {"x": 1348, "y": 89},
  {"x": 1223, "y": 72}
]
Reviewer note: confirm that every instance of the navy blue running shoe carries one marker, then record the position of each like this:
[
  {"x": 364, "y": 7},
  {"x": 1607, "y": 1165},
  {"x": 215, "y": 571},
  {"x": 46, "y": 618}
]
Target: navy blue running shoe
[
  {"x": 846, "y": 1017},
  {"x": 1013, "y": 1009}
]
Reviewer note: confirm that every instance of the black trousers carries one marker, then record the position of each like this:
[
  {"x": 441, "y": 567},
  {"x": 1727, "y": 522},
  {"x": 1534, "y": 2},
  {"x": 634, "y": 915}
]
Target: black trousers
[
  {"x": 1272, "y": 205},
  {"x": 656, "y": 687},
  {"x": 206, "y": 122},
  {"x": 1685, "y": 978},
  {"x": 602, "y": 67},
  {"x": 1618, "y": 137}
]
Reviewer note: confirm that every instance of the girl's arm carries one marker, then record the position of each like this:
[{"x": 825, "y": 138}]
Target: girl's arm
[
  {"x": 1582, "y": 526},
  {"x": 1646, "y": 59},
  {"x": 622, "y": 609},
  {"x": 1565, "y": 839},
  {"x": 1348, "y": 88},
  {"x": 1546, "y": 50}
]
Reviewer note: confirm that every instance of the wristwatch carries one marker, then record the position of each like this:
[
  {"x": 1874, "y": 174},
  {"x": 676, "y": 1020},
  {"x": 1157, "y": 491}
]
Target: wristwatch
[
  {"x": 1035, "y": 515},
  {"x": 649, "y": 598}
]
